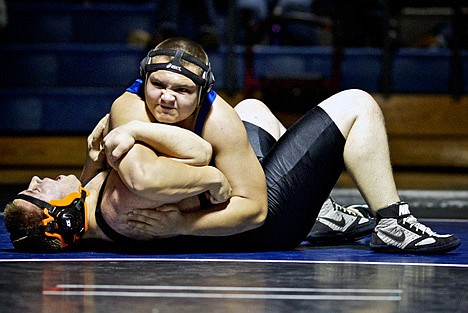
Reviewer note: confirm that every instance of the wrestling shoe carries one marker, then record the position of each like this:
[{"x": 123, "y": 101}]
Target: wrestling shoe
[
  {"x": 337, "y": 223},
  {"x": 399, "y": 231}
]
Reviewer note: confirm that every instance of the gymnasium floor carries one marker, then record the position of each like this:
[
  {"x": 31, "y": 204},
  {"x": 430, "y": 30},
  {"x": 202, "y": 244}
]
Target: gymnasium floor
[{"x": 339, "y": 278}]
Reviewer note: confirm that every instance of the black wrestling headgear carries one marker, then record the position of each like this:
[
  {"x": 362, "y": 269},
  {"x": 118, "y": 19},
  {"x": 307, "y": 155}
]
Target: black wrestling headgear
[
  {"x": 205, "y": 80},
  {"x": 65, "y": 219}
]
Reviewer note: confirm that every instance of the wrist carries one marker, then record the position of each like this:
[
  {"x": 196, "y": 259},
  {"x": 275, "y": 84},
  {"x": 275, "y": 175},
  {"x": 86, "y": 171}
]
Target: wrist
[{"x": 133, "y": 129}]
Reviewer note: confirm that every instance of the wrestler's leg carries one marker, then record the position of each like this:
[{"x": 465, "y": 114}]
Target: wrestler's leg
[
  {"x": 257, "y": 113},
  {"x": 366, "y": 155},
  {"x": 366, "y": 152},
  {"x": 301, "y": 169},
  {"x": 264, "y": 129},
  {"x": 303, "y": 166}
]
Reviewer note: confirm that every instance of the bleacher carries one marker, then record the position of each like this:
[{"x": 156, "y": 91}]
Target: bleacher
[
  {"x": 63, "y": 64},
  {"x": 64, "y": 60}
]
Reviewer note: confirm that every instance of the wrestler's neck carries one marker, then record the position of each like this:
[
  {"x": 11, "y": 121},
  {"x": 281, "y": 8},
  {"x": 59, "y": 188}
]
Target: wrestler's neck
[{"x": 94, "y": 186}]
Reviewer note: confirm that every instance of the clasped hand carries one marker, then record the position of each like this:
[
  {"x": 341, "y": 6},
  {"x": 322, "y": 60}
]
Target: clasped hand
[{"x": 162, "y": 222}]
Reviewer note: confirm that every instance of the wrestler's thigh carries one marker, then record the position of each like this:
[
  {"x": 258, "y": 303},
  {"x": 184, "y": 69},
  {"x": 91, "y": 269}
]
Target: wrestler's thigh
[
  {"x": 301, "y": 170},
  {"x": 260, "y": 140}
]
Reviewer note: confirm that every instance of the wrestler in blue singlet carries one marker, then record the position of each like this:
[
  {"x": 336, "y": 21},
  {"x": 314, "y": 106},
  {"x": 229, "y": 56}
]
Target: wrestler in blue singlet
[{"x": 300, "y": 169}]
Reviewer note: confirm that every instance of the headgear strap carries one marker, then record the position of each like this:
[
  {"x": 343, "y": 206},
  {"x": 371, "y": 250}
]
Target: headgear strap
[
  {"x": 66, "y": 219},
  {"x": 206, "y": 80}
]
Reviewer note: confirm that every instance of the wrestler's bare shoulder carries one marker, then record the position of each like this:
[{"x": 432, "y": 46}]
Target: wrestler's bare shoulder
[
  {"x": 221, "y": 121},
  {"x": 127, "y": 107}
]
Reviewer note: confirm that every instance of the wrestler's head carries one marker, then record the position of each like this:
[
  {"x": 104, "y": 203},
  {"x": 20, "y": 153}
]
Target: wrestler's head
[
  {"x": 48, "y": 216},
  {"x": 177, "y": 76}
]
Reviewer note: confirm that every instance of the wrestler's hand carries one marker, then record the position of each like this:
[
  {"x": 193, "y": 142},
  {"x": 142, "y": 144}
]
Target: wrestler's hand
[
  {"x": 221, "y": 192},
  {"x": 165, "y": 221},
  {"x": 117, "y": 142},
  {"x": 96, "y": 156}
]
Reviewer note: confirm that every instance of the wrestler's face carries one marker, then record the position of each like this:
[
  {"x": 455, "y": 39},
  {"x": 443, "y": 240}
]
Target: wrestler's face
[
  {"x": 51, "y": 189},
  {"x": 171, "y": 97}
]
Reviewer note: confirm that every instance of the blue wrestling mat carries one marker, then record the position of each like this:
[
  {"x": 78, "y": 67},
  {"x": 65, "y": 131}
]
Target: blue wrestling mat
[
  {"x": 351, "y": 252},
  {"x": 328, "y": 279}
]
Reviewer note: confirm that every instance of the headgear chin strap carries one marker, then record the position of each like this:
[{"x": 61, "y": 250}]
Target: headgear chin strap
[
  {"x": 65, "y": 219},
  {"x": 205, "y": 80}
]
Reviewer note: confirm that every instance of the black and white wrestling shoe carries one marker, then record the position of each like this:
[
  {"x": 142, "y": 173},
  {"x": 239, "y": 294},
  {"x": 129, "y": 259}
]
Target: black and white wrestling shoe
[
  {"x": 338, "y": 223},
  {"x": 399, "y": 231}
]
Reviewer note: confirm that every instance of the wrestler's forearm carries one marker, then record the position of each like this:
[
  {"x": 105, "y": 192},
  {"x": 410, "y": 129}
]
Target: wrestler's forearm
[
  {"x": 239, "y": 215},
  {"x": 95, "y": 157},
  {"x": 169, "y": 140},
  {"x": 90, "y": 169},
  {"x": 169, "y": 181},
  {"x": 172, "y": 141}
]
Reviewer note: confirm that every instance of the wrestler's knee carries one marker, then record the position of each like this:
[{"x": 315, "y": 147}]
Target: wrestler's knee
[
  {"x": 257, "y": 113},
  {"x": 361, "y": 102},
  {"x": 345, "y": 107},
  {"x": 250, "y": 107}
]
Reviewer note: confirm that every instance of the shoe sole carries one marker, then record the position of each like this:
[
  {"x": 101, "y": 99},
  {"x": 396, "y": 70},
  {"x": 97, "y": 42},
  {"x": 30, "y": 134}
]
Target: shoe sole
[
  {"x": 439, "y": 250},
  {"x": 334, "y": 236}
]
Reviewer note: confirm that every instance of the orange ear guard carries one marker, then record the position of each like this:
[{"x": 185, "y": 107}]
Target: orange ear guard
[
  {"x": 68, "y": 200},
  {"x": 65, "y": 219}
]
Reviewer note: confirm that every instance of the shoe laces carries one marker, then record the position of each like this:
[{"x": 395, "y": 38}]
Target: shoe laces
[
  {"x": 414, "y": 223},
  {"x": 343, "y": 209}
]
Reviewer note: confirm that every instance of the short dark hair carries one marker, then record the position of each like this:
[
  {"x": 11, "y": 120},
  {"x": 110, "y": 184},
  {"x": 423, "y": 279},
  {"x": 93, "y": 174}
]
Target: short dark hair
[{"x": 22, "y": 223}]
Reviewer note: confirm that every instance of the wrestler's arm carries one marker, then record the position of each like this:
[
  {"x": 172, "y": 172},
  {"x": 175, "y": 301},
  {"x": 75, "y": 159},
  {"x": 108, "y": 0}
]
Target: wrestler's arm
[
  {"x": 95, "y": 157},
  {"x": 233, "y": 155},
  {"x": 151, "y": 176},
  {"x": 129, "y": 118},
  {"x": 235, "y": 158},
  {"x": 176, "y": 143}
]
